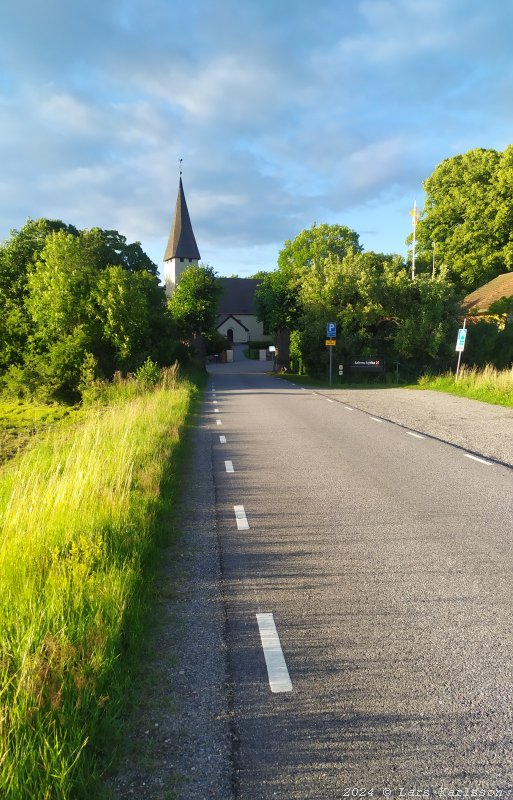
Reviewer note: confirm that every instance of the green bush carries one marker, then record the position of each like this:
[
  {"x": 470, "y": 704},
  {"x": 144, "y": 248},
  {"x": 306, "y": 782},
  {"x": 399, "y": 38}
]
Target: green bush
[{"x": 149, "y": 373}]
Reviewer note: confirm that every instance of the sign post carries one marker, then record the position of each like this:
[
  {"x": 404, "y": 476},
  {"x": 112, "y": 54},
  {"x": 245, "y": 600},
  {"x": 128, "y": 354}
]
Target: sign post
[
  {"x": 331, "y": 340},
  {"x": 272, "y": 349},
  {"x": 460, "y": 345}
]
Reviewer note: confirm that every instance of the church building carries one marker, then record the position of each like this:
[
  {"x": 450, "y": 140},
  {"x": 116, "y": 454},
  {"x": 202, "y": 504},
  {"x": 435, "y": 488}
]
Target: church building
[
  {"x": 182, "y": 250},
  {"x": 237, "y": 319}
]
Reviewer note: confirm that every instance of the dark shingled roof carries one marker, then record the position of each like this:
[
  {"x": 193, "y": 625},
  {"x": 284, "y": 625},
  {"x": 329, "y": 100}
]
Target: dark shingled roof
[
  {"x": 181, "y": 243},
  {"x": 235, "y": 320},
  {"x": 479, "y": 302},
  {"x": 238, "y": 296}
]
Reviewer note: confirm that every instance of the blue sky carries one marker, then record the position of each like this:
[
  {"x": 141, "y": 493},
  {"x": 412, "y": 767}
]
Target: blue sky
[{"x": 285, "y": 112}]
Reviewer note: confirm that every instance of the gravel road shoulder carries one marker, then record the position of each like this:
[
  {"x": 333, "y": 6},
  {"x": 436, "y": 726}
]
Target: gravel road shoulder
[
  {"x": 179, "y": 733},
  {"x": 481, "y": 428}
]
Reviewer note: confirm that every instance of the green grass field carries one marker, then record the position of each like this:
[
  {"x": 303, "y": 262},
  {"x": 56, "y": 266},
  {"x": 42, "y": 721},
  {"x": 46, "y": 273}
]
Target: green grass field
[{"x": 83, "y": 511}]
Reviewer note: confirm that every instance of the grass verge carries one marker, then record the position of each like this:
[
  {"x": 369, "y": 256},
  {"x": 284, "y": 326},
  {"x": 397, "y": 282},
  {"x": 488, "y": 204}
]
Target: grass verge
[
  {"x": 81, "y": 514},
  {"x": 488, "y": 384},
  {"x": 20, "y": 420}
]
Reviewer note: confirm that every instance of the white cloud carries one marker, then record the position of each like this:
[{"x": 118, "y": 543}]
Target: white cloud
[{"x": 284, "y": 113}]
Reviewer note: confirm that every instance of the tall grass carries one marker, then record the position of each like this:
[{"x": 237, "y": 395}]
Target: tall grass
[
  {"x": 79, "y": 519},
  {"x": 487, "y": 384},
  {"x": 20, "y": 420}
]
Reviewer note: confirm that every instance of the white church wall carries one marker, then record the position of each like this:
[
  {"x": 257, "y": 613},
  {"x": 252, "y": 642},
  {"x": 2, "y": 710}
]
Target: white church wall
[
  {"x": 254, "y": 332},
  {"x": 239, "y": 333},
  {"x": 173, "y": 270},
  {"x": 256, "y": 328}
]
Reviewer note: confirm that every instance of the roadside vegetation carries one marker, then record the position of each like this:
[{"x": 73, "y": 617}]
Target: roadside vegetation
[
  {"x": 487, "y": 384},
  {"x": 463, "y": 240},
  {"x": 83, "y": 512},
  {"x": 21, "y": 420}
]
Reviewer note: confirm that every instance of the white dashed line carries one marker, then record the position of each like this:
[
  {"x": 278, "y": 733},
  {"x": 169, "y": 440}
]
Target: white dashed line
[
  {"x": 376, "y": 419},
  {"x": 481, "y": 460},
  {"x": 218, "y": 422},
  {"x": 228, "y": 465},
  {"x": 242, "y": 520},
  {"x": 348, "y": 408},
  {"x": 278, "y": 674},
  {"x": 329, "y": 400},
  {"x": 222, "y": 439},
  {"x": 216, "y": 411},
  {"x": 417, "y": 435}
]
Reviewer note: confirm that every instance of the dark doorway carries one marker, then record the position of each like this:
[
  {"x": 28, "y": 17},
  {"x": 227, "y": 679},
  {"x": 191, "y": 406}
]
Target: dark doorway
[{"x": 229, "y": 335}]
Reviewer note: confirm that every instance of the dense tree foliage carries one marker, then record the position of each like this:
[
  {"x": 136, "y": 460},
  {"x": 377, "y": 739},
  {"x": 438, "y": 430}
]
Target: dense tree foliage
[
  {"x": 74, "y": 301},
  {"x": 279, "y": 299},
  {"x": 487, "y": 343},
  {"x": 378, "y": 309},
  {"x": 468, "y": 214},
  {"x": 17, "y": 253},
  {"x": 195, "y": 300}
]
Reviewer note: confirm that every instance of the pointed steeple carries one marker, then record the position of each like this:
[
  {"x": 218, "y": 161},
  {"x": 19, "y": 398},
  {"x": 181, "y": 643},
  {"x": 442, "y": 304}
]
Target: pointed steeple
[{"x": 182, "y": 250}]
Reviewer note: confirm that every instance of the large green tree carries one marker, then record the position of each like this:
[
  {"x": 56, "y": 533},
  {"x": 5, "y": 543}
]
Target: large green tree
[
  {"x": 16, "y": 254},
  {"x": 79, "y": 308},
  {"x": 378, "y": 309},
  {"x": 468, "y": 214},
  {"x": 278, "y": 297},
  {"x": 194, "y": 303}
]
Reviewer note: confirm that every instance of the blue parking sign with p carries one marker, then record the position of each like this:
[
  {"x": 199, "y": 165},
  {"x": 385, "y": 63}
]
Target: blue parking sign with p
[{"x": 331, "y": 330}]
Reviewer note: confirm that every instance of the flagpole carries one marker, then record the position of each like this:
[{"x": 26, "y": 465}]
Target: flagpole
[{"x": 414, "y": 213}]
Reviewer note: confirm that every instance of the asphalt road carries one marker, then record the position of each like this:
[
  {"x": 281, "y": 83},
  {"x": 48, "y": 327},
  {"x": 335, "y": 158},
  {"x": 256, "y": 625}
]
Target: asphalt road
[{"x": 386, "y": 561}]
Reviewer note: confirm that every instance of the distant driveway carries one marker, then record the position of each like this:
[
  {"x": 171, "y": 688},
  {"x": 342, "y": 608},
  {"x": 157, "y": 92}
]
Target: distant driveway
[{"x": 240, "y": 365}]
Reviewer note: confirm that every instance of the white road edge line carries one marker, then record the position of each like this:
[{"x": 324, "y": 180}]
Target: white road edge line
[
  {"x": 417, "y": 435},
  {"x": 242, "y": 520},
  {"x": 279, "y": 678},
  {"x": 481, "y": 460},
  {"x": 218, "y": 422},
  {"x": 228, "y": 465},
  {"x": 222, "y": 439}
]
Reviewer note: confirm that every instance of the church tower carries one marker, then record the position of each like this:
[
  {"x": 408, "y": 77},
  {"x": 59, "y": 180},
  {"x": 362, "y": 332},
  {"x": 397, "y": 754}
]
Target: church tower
[{"x": 182, "y": 250}]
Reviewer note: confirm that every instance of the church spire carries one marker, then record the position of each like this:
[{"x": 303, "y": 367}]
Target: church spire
[{"x": 182, "y": 250}]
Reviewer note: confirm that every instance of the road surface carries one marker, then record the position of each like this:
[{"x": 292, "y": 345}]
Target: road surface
[{"x": 385, "y": 560}]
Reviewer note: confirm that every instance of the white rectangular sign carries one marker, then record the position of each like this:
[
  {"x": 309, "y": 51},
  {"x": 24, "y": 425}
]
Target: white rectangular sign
[{"x": 460, "y": 344}]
